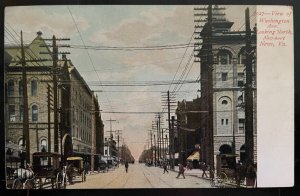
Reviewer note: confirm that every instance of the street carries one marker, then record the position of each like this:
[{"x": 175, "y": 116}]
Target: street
[{"x": 139, "y": 176}]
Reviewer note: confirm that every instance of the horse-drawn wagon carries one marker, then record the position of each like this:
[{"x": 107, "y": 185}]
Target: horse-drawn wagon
[
  {"x": 47, "y": 169},
  {"x": 17, "y": 175},
  {"x": 231, "y": 171},
  {"x": 75, "y": 168}
]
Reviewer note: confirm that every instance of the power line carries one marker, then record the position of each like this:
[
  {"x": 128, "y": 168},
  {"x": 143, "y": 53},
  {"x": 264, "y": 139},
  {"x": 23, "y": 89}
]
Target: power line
[
  {"x": 133, "y": 48},
  {"x": 88, "y": 53}
]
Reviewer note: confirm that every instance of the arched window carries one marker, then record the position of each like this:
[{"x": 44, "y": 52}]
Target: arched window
[
  {"x": 33, "y": 87},
  {"x": 34, "y": 113},
  {"x": 21, "y": 88},
  {"x": 20, "y": 142},
  {"x": 224, "y": 102},
  {"x": 224, "y": 57},
  {"x": 10, "y": 88},
  {"x": 44, "y": 145}
]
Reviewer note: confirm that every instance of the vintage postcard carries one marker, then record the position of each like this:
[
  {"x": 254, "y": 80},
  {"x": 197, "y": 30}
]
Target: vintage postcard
[{"x": 148, "y": 96}]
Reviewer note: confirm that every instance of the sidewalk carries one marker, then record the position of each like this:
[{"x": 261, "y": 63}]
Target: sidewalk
[
  {"x": 192, "y": 172},
  {"x": 198, "y": 173}
]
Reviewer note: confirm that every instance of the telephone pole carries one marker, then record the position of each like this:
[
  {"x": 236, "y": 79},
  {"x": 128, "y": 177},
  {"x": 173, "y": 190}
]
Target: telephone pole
[
  {"x": 210, "y": 88},
  {"x": 249, "y": 144},
  {"x": 118, "y": 141},
  {"x": 26, "y": 138},
  {"x": 93, "y": 133},
  {"x": 55, "y": 85},
  {"x": 110, "y": 125},
  {"x": 49, "y": 99},
  {"x": 170, "y": 102},
  {"x": 172, "y": 142}
]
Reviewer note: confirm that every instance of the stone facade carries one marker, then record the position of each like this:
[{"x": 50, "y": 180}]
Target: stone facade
[
  {"x": 74, "y": 102},
  {"x": 37, "y": 75},
  {"x": 228, "y": 78}
]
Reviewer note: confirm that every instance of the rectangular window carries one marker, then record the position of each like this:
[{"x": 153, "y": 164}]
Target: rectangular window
[
  {"x": 105, "y": 152},
  {"x": 240, "y": 83},
  {"x": 240, "y": 79},
  {"x": 242, "y": 126},
  {"x": 10, "y": 88},
  {"x": 224, "y": 76},
  {"x": 12, "y": 113}
]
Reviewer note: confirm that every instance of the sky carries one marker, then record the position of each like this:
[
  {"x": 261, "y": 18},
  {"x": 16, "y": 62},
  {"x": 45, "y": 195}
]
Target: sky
[{"x": 124, "y": 26}]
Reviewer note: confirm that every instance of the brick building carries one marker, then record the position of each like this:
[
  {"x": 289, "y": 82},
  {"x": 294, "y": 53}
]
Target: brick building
[
  {"x": 228, "y": 78},
  {"x": 74, "y": 103}
]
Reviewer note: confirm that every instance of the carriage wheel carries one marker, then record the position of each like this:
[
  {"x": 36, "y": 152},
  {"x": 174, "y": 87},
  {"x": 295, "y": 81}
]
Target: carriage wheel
[
  {"x": 17, "y": 184},
  {"x": 212, "y": 178},
  {"x": 60, "y": 181},
  {"x": 64, "y": 181},
  {"x": 29, "y": 184},
  {"x": 222, "y": 178},
  {"x": 83, "y": 176}
]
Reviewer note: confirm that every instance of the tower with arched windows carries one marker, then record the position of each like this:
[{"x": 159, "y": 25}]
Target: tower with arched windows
[{"x": 228, "y": 79}]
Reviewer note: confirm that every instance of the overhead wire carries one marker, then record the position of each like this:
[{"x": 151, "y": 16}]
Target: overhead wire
[{"x": 87, "y": 52}]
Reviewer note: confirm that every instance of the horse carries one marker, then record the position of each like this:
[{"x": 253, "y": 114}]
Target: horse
[
  {"x": 22, "y": 173},
  {"x": 23, "y": 178},
  {"x": 240, "y": 173}
]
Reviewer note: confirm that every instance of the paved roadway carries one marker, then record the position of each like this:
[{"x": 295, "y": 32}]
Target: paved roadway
[{"x": 139, "y": 176}]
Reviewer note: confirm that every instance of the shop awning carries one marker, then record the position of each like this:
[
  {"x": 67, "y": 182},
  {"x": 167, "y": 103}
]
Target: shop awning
[{"x": 194, "y": 156}]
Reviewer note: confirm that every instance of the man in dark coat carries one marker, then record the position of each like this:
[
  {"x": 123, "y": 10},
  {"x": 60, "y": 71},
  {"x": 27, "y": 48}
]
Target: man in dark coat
[
  {"x": 165, "y": 165},
  {"x": 126, "y": 166},
  {"x": 181, "y": 171}
]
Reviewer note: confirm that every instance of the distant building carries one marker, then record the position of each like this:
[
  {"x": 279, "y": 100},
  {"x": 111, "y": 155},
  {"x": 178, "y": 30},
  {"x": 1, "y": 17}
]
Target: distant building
[{"x": 188, "y": 121}]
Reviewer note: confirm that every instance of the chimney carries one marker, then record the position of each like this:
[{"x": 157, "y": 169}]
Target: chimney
[{"x": 39, "y": 33}]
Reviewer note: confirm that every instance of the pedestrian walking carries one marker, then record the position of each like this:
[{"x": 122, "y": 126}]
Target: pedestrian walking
[
  {"x": 165, "y": 166},
  {"x": 126, "y": 166},
  {"x": 204, "y": 169},
  {"x": 181, "y": 171}
]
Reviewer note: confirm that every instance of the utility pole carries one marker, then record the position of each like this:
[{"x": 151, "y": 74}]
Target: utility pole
[
  {"x": 154, "y": 149},
  {"x": 49, "y": 96},
  {"x": 158, "y": 136},
  {"x": 110, "y": 136},
  {"x": 37, "y": 137},
  {"x": 55, "y": 59},
  {"x": 151, "y": 145},
  {"x": 210, "y": 89},
  {"x": 110, "y": 125},
  {"x": 55, "y": 85},
  {"x": 93, "y": 133},
  {"x": 168, "y": 100},
  {"x": 248, "y": 95},
  {"x": 118, "y": 140},
  {"x": 166, "y": 145},
  {"x": 172, "y": 143},
  {"x": 26, "y": 138}
]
